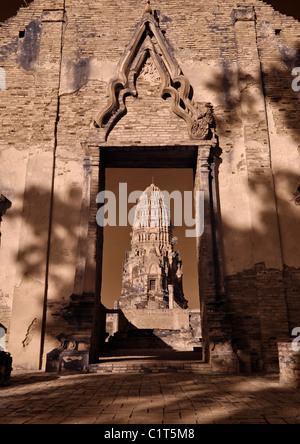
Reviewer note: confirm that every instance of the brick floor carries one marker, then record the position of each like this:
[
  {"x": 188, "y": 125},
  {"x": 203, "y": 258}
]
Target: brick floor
[{"x": 174, "y": 398}]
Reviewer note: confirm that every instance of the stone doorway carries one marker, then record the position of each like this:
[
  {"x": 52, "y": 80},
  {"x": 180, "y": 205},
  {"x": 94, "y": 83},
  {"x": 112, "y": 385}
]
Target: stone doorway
[
  {"x": 118, "y": 238},
  {"x": 200, "y": 158},
  {"x": 149, "y": 266}
]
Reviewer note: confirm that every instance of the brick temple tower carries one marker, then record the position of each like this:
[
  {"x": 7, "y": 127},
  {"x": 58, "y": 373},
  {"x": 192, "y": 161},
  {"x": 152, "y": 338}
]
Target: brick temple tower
[
  {"x": 152, "y": 312},
  {"x": 152, "y": 271}
]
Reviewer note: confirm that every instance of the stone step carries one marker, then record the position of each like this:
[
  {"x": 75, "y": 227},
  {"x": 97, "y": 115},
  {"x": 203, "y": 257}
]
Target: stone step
[
  {"x": 140, "y": 367},
  {"x": 153, "y": 339},
  {"x": 128, "y": 343},
  {"x": 144, "y": 333}
]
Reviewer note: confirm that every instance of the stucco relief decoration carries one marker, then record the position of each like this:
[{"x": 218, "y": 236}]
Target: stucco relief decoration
[{"x": 149, "y": 41}]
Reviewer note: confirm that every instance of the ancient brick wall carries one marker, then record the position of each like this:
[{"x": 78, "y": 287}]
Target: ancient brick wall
[
  {"x": 32, "y": 63},
  {"x": 238, "y": 58}
]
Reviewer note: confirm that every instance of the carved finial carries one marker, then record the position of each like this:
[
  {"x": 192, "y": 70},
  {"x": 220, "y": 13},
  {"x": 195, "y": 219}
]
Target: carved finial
[{"x": 148, "y": 9}]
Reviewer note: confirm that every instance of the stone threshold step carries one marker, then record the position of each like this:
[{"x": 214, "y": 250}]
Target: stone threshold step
[{"x": 168, "y": 367}]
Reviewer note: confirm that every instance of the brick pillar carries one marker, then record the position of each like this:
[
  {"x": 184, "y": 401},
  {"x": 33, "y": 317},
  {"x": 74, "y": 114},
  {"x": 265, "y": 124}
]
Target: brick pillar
[
  {"x": 30, "y": 295},
  {"x": 266, "y": 240},
  {"x": 83, "y": 320},
  {"x": 217, "y": 348},
  {"x": 289, "y": 364},
  {"x": 256, "y": 137}
]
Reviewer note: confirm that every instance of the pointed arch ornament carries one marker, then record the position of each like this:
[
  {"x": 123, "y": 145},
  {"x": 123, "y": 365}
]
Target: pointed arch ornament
[{"x": 149, "y": 41}]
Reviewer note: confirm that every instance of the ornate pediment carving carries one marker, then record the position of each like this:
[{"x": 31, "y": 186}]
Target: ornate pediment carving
[{"x": 149, "y": 41}]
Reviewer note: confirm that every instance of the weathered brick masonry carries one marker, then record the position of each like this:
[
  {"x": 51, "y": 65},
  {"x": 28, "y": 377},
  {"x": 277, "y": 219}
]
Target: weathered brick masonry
[{"x": 238, "y": 56}]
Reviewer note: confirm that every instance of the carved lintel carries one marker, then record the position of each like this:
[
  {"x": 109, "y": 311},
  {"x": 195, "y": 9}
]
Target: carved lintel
[{"x": 149, "y": 41}]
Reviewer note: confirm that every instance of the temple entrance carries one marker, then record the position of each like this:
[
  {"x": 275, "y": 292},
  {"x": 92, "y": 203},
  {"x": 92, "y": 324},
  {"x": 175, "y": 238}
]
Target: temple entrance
[
  {"x": 196, "y": 150},
  {"x": 178, "y": 158},
  {"x": 118, "y": 238},
  {"x": 153, "y": 304}
]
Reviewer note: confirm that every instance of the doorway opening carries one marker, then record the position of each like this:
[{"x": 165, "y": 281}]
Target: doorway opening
[
  {"x": 117, "y": 238},
  {"x": 166, "y": 166}
]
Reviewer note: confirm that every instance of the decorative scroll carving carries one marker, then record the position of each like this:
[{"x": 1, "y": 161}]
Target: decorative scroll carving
[
  {"x": 73, "y": 342},
  {"x": 149, "y": 41}
]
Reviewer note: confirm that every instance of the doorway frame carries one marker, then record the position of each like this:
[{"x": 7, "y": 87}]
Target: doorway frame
[{"x": 203, "y": 158}]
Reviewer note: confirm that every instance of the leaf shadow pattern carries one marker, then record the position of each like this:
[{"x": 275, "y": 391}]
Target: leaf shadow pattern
[
  {"x": 48, "y": 246},
  {"x": 263, "y": 302},
  {"x": 277, "y": 86}
]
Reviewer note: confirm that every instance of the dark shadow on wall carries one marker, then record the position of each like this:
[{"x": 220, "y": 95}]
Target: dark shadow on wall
[
  {"x": 33, "y": 254},
  {"x": 264, "y": 303},
  {"x": 278, "y": 83},
  {"x": 257, "y": 323},
  {"x": 43, "y": 261}
]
